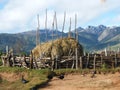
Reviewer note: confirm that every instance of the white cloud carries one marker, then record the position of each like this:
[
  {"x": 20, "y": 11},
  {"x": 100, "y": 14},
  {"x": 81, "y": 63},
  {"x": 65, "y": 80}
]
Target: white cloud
[{"x": 21, "y": 15}]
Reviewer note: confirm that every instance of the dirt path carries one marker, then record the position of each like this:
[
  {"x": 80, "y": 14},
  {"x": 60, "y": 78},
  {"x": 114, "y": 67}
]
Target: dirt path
[{"x": 78, "y": 82}]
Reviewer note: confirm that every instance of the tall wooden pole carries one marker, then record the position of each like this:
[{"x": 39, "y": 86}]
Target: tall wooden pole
[
  {"x": 75, "y": 26},
  {"x": 69, "y": 34},
  {"x": 53, "y": 61},
  {"x": 63, "y": 24},
  {"x": 53, "y": 27},
  {"x": 31, "y": 60},
  {"x": 55, "y": 18},
  {"x": 37, "y": 32},
  {"x": 105, "y": 52},
  {"x": 46, "y": 26},
  {"x": 76, "y": 40},
  {"x": 7, "y": 49}
]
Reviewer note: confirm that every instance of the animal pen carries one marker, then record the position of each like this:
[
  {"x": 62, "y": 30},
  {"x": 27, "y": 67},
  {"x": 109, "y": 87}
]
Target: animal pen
[{"x": 91, "y": 61}]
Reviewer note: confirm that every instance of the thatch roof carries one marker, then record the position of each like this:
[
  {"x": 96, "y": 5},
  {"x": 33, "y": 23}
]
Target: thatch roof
[{"x": 59, "y": 47}]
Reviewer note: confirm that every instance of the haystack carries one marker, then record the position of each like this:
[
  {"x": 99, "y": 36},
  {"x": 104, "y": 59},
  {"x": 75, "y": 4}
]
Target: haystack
[{"x": 58, "y": 47}]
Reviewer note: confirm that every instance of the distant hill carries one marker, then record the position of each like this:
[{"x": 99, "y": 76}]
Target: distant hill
[{"x": 92, "y": 38}]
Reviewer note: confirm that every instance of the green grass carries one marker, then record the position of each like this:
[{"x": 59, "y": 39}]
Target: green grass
[{"x": 35, "y": 77}]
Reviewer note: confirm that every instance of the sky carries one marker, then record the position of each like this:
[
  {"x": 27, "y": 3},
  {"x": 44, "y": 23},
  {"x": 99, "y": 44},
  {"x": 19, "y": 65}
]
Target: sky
[{"x": 21, "y": 15}]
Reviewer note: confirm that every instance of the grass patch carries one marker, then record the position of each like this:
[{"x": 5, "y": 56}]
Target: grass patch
[
  {"x": 35, "y": 77},
  {"x": 10, "y": 77}
]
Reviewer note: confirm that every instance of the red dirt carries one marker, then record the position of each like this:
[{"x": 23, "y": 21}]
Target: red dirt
[{"x": 78, "y": 82}]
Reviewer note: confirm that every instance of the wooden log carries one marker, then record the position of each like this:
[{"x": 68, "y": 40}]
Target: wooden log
[
  {"x": 24, "y": 59},
  {"x": 56, "y": 60},
  {"x": 81, "y": 62},
  {"x": 94, "y": 63},
  {"x": 13, "y": 61},
  {"x": 101, "y": 60},
  {"x": 9, "y": 63},
  {"x": 3, "y": 60},
  {"x": 31, "y": 60},
  {"x": 115, "y": 60},
  {"x": 88, "y": 57},
  {"x": 36, "y": 63},
  {"x": 73, "y": 64},
  {"x": 76, "y": 58}
]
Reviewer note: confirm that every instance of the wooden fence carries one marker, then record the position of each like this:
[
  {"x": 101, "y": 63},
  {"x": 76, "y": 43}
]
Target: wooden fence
[{"x": 91, "y": 61}]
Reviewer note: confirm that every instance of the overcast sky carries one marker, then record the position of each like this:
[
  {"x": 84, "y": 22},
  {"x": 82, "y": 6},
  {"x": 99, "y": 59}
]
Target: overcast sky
[{"x": 21, "y": 15}]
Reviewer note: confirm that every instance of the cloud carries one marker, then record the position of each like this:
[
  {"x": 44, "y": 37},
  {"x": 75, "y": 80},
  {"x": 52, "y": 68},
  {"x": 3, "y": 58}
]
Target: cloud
[{"x": 21, "y": 15}]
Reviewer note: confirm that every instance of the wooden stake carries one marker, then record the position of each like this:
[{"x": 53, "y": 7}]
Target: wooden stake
[
  {"x": 31, "y": 60},
  {"x": 7, "y": 49},
  {"x": 56, "y": 61},
  {"x": 69, "y": 34},
  {"x": 35, "y": 63},
  {"x": 76, "y": 58},
  {"x": 76, "y": 33},
  {"x": 101, "y": 60},
  {"x": 94, "y": 63},
  {"x": 46, "y": 25},
  {"x": 56, "y": 25},
  {"x": 52, "y": 30},
  {"x": 115, "y": 60},
  {"x": 63, "y": 24},
  {"x": 76, "y": 37},
  {"x": 87, "y": 60},
  {"x": 105, "y": 52},
  {"x": 37, "y": 32},
  {"x": 80, "y": 62}
]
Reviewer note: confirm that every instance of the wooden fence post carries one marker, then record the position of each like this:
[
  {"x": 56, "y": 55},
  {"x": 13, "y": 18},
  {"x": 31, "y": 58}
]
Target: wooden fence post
[
  {"x": 76, "y": 58},
  {"x": 31, "y": 60},
  {"x": 115, "y": 60},
  {"x": 56, "y": 62},
  {"x": 73, "y": 62},
  {"x": 81, "y": 62},
  {"x": 36, "y": 63},
  {"x": 88, "y": 57},
  {"x": 101, "y": 60},
  {"x": 94, "y": 63}
]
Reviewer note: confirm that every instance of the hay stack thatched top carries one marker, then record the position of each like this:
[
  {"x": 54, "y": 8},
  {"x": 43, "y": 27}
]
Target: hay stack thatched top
[{"x": 59, "y": 47}]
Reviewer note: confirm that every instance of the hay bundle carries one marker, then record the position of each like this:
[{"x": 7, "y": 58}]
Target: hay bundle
[{"x": 59, "y": 47}]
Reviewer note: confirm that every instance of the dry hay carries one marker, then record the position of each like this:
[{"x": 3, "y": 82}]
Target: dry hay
[{"x": 58, "y": 47}]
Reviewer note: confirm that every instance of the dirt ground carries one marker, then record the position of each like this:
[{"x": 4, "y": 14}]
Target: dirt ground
[
  {"x": 79, "y": 82},
  {"x": 11, "y": 77}
]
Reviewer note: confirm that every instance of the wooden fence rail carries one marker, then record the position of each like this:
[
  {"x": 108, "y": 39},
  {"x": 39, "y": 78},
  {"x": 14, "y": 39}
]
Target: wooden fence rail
[{"x": 92, "y": 61}]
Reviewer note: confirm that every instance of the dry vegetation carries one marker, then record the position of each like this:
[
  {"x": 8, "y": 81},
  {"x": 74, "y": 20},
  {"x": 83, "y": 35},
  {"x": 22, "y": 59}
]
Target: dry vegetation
[{"x": 59, "y": 47}]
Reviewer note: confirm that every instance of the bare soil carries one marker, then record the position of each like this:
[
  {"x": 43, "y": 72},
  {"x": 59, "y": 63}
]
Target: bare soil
[
  {"x": 79, "y": 82},
  {"x": 11, "y": 77}
]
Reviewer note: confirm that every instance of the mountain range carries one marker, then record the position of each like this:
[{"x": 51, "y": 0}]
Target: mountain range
[{"x": 92, "y": 38}]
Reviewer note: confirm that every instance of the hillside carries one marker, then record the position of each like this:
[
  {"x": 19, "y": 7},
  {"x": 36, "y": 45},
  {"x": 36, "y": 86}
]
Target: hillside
[{"x": 92, "y": 38}]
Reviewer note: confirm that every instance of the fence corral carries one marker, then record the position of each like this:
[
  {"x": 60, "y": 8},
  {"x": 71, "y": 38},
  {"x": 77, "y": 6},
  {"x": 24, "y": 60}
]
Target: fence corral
[{"x": 91, "y": 61}]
